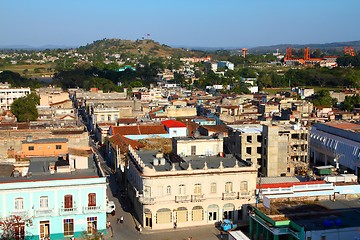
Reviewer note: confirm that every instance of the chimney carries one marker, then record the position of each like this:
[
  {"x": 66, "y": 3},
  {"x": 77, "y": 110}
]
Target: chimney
[{"x": 29, "y": 138}]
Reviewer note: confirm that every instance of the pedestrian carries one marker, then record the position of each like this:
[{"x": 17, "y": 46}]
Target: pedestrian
[
  {"x": 175, "y": 225},
  {"x": 108, "y": 225},
  {"x": 121, "y": 219}
]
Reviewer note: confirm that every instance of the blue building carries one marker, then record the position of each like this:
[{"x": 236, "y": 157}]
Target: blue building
[{"x": 53, "y": 199}]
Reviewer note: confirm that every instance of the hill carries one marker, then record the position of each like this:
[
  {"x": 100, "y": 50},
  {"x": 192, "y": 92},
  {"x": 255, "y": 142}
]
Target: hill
[
  {"x": 143, "y": 47},
  {"x": 335, "y": 47}
]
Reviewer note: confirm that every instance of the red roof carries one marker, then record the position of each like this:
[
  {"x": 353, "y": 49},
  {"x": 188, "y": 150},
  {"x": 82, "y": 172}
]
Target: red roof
[
  {"x": 138, "y": 130},
  {"x": 123, "y": 143},
  {"x": 173, "y": 123}
]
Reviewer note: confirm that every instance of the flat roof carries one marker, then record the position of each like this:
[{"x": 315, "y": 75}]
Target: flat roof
[
  {"x": 197, "y": 162},
  {"x": 46, "y": 140},
  {"x": 319, "y": 215},
  {"x": 247, "y": 128}
]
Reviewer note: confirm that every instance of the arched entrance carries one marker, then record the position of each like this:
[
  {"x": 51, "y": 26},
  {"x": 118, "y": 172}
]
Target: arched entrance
[
  {"x": 197, "y": 213},
  {"x": 213, "y": 213},
  {"x": 163, "y": 215},
  {"x": 228, "y": 211},
  {"x": 148, "y": 218},
  {"x": 181, "y": 215}
]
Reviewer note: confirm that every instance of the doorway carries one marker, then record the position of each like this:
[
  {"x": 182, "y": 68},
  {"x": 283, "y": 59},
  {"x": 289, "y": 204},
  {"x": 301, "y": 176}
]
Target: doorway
[{"x": 44, "y": 230}]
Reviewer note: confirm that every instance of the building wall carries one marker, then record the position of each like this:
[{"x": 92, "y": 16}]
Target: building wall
[
  {"x": 173, "y": 112},
  {"x": 55, "y": 190},
  {"x": 44, "y": 149},
  {"x": 177, "y": 132},
  {"x": 13, "y": 138},
  {"x": 8, "y": 95},
  {"x": 206, "y": 147}
]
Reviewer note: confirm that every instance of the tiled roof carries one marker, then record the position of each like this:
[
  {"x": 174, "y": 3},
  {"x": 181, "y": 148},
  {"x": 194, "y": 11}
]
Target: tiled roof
[
  {"x": 126, "y": 120},
  {"x": 138, "y": 130},
  {"x": 123, "y": 143},
  {"x": 216, "y": 128}
]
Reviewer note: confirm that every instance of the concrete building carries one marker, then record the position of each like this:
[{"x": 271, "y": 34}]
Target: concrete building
[
  {"x": 285, "y": 150},
  {"x": 245, "y": 141},
  {"x": 8, "y": 95},
  {"x": 190, "y": 191},
  {"x": 336, "y": 144}
]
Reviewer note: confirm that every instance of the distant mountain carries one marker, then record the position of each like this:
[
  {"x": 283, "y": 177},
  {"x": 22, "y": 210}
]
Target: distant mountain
[
  {"x": 325, "y": 47},
  {"x": 143, "y": 47}
]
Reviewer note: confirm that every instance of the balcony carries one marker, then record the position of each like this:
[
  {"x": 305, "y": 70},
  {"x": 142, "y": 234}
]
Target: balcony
[
  {"x": 229, "y": 196},
  {"x": 244, "y": 194},
  {"x": 68, "y": 211},
  {"x": 20, "y": 213},
  {"x": 91, "y": 209},
  {"x": 182, "y": 198},
  {"x": 147, "y": 200},
  {"x": 43, "y": 212},
  {"x": 197, "y": 198}
]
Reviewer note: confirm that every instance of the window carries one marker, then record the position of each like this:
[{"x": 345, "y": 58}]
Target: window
[
  {"x": 58, "y": 147},
  {"x": 181, "y": 189},
  {"x": 168, "y": 190},
  {"x": 91, "y": 199},
  {"x": 228, "y": 187},
  {"x": 109, "y": 118},
  {"x": 31, "y": 148},
  {"x": 44, "y": 202},
  {"x": 102, "y": 118},
  {"x": 248, "y": 150},
  {"x": 258, "y": 150},
  {"x": 68, "y": 227},
  {"x": 19, "y": 203},
  {"x": 68, "y": 200},
  {"x": 213, "y": 188},
  {"x": 197, "y": 189},
  {"x": 249, "y": 139},
  {"x": 259, "y": 138},
  {"x": 193, "y": 150},
  {"x": 91, "y": 225},
  {"x": 243, "y": 187}
]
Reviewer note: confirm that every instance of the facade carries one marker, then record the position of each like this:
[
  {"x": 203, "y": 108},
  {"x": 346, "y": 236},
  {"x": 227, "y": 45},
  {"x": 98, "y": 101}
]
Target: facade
[
  {"x": 285, "y": 150},
  {"x": 191, "y": 146},
  {"x": 8, "y": 95},
  {"x": 336, "y": 144},
  {"x": 246, "y": 142},
  {"x": 44, "y": 147},
  {"x": 188, "y": 192},
  {"x": 175, "y": 128},
  {"x": 52, "y": 202}
]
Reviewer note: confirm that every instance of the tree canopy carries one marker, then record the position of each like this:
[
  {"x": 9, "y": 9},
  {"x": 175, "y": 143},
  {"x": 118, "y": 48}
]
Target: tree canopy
[{"x": 25, "y": 108}]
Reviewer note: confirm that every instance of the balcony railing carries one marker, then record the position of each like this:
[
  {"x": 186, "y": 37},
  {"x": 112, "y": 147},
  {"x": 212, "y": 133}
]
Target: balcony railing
[
  {"x": 43, "y": 212},
  {"x": 147, "y": 200},
  {"x": 68, "y": 211},
  {"x": 244, "y": 194},
  {"x": 197, "y": 198},
  {"x": 90, "y": 209},
  {"x": 183, "y": 198},
  {"x": 20, "y": 213},
  {"x": 229, "y": 196}
]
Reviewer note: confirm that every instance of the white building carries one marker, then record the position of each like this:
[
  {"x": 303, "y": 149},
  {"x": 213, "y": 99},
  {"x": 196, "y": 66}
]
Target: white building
[
  {"x": 8, "y": 95},
  {"x": 188, "y": 192}
]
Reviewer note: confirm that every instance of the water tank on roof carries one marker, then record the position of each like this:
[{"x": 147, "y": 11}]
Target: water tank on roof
[
  {"x": 16, "y": 173},
  {"x": 156, "y": 162},
  {"x": 162, "y": 161}
]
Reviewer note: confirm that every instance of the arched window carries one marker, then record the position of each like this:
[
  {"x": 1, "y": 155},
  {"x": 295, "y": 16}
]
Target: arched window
[{"x": 228, "y": 187}]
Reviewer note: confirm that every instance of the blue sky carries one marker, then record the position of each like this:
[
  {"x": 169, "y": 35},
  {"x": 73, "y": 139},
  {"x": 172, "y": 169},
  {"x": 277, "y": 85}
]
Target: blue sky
[{"x": 203, "y": 23}]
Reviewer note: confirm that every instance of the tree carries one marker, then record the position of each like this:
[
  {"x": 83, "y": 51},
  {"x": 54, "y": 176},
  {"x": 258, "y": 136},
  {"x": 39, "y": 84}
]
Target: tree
[
  {"x": 25, "y": 108},
  {"x": 323, "y": 99},
  {"x": 13, "y": 227}
]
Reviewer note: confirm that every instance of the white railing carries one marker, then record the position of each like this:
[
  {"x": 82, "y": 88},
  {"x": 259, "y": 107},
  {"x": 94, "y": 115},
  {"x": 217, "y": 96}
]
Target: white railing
[
  {"x": 20, "y": 213},
  {"x": 91, "y": 209},
  {"x": 267, "y": 191},
  {"x": 184, "y": 198},
  {"x": 43, "y": 212},
  {"x": 197, "y": 198},
  {"x": 325, "y": 186},
  {"x": 229, "y": 196},
  {"x": 147, "y": 200},
  {"x": 67, "y": 211}
]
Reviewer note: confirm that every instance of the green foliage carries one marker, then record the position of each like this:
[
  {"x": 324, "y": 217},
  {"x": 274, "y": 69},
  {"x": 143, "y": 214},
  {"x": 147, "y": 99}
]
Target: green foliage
[
  {"x": 351, "y": 102},
  {"x": 324, "y": 99},
  {"x": 16, "y": 80},
  {"x": 349, "y": 61},
  {"x": 25, "y": 108}
]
